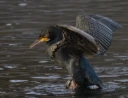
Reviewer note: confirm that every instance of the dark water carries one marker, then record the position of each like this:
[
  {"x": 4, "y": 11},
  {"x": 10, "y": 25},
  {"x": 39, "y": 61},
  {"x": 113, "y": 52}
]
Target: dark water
[{"x": 26, "y": 73}]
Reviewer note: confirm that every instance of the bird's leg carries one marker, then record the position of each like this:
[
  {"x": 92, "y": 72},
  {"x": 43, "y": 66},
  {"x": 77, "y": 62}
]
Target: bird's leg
[{"x": 71, "y": 84}]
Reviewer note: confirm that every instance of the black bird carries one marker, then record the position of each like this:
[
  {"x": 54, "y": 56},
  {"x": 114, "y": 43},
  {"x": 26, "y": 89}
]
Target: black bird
[{"x": 71, "y": 47}]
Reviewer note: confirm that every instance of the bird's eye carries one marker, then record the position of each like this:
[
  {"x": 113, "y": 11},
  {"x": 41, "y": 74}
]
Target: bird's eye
[
  {"x": 46, "y": 35},
  {"x": 40, "y": 36}
]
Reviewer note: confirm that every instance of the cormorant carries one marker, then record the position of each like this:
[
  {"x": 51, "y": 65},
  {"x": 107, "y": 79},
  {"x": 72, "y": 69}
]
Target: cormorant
[{"x": 71, "y": 46}]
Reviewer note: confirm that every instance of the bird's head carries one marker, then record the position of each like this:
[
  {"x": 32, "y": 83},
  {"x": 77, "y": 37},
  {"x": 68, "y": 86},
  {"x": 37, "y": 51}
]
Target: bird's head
[{"x": 49, "y": 35}]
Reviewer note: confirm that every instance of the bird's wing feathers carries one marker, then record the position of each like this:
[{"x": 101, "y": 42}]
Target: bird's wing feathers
[
  {"x": 82, "y": 33},
  {"x": 107, "y": 21},
  {"x": 100, "y": 27},
  {"x": 81, "y": 40}
]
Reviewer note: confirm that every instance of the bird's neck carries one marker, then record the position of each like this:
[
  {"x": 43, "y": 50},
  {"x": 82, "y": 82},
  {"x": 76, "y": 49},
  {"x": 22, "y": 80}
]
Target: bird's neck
[{"x": 51, "y": 49}]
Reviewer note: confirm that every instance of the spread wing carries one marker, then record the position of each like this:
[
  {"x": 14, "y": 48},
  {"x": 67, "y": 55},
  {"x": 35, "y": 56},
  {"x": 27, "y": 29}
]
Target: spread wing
[
  {"x": 100, "y": 27},
  {"x": 79, "y": 41}
]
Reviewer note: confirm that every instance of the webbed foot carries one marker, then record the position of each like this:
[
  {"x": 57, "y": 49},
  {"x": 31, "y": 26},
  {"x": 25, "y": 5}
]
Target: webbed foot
[{"x": 71, "y": 84}]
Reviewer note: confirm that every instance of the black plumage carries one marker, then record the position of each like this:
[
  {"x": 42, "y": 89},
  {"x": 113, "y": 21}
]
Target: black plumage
[
  {"x": 71, "y": 46},
  {"x": 100, "y": 27}
]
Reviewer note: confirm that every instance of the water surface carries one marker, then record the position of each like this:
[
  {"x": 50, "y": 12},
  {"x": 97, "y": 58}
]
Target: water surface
[{"x": 26, "y": 73}]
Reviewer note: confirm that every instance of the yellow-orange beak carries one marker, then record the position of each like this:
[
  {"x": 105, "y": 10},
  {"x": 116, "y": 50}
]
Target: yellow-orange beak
[{"x": 39, "y": 41}]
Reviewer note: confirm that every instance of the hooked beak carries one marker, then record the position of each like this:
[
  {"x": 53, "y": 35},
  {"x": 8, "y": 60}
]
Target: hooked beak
[
  {"x": 35, "y": 43},
  {"x": 38, "y": 41}
]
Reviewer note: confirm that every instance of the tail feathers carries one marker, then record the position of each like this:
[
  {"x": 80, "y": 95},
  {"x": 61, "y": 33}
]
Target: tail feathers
[{"x": 89, "y": 72}]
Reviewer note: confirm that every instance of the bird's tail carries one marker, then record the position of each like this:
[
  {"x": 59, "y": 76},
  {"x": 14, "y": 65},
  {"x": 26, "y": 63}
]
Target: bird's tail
[{"x": 89, "y": 72}]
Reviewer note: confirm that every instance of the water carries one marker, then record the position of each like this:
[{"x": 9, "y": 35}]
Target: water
[{"x": 26, "y": 73}]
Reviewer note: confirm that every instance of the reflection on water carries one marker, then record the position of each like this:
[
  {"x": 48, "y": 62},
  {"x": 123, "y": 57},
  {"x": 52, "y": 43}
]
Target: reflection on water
[{"x": 31, "y": 73}]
